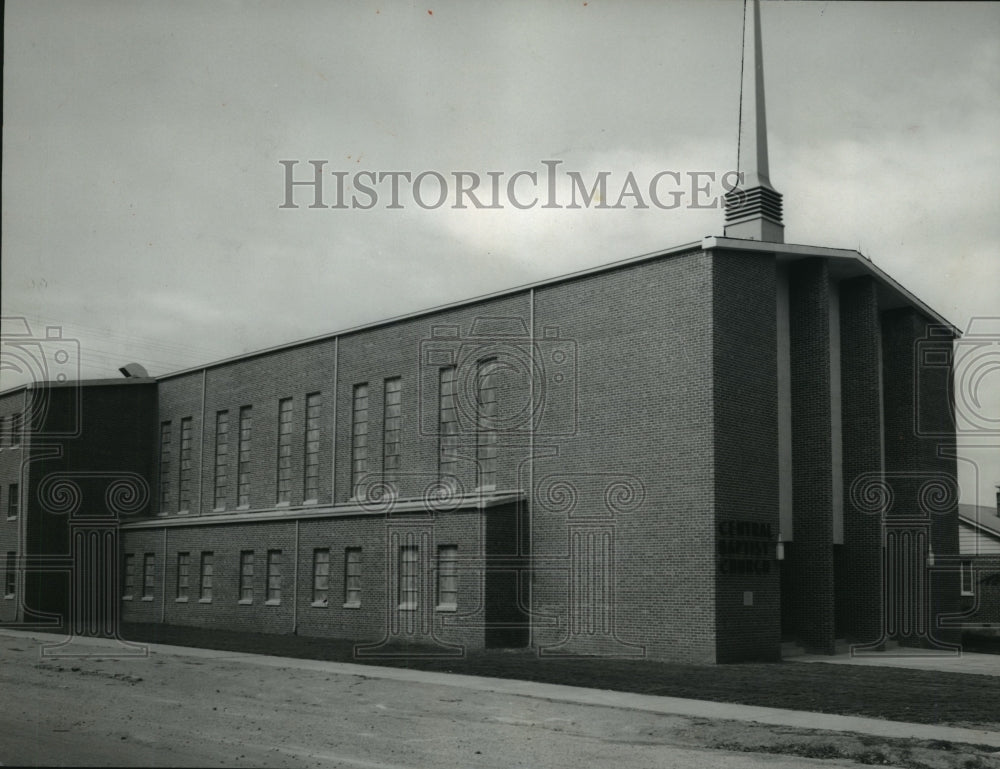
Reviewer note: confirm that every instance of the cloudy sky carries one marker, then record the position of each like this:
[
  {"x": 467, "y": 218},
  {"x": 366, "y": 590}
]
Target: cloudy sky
[{"x": 142, "y": 187}]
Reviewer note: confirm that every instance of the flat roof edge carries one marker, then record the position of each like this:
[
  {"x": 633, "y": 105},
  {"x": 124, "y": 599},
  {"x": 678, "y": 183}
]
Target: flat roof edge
[
  {"x": 80, "y": 383},
  {"x": 674, "y": 250},
  {"x": 464, "y": 503}
]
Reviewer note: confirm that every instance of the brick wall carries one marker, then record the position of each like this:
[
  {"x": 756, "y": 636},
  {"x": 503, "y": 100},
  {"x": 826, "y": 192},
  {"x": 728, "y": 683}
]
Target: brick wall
[
  {"x": 178, "y": 398},
  {"x": 746, "y": 451},
  {"x": 859, "y": 584},
  {"x": 920, "y": 471},
  {"x": 376, "y": 621},
  {"x": 810, "y": 561},
  {"x": 631, "y": 492},
  {"x": 983, "y": 607},
  {"x": 408, "y": 350}
]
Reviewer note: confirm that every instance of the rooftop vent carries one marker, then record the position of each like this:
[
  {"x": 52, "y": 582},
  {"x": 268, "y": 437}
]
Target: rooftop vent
[{"x": 130, "y": 370}]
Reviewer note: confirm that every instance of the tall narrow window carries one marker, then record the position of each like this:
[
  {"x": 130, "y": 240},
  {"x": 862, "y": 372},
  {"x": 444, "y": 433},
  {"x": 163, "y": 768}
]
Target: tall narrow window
[
  {"x": 148, "y": 574},
  {"x": 448, "y": 424},
  {"x": 447, "y": 577},
  {"x": 164, "y": 467},
  {"x": 409, "y": 581},
  {"x": 352, "y": 577},
  {"x": 16, "y": 427},
  {"x": 359, "y": 437},
  {"x": 221, "y": 459},
  {"x": 183, "y": 575},
  {"x": 274, "y": 576},
  {"x": 207, "y": 570},
  {"x": 13, "y": 501},
  {"x": 3, "y": 431},
  {"x": 321, "y": 576},
  {"x": 184, "y": 487},
  {"x": 246, "y": 576},
  {"x": 10, "y": 575},
  {"x": 486, "y": 438},
  {"x": 314, "y": 404},
  {"x": 128, "y": 578},
  {"x": 243, "y": 471},
  {"x": 968, "y": 584},
  {"x": 391, "y": 424},
  {"x": 284, "y": 450}
]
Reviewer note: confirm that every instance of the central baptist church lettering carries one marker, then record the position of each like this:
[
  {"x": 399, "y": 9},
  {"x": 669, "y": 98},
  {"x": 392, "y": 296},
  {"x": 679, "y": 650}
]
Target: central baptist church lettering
[{"x": 745, "y": 547}]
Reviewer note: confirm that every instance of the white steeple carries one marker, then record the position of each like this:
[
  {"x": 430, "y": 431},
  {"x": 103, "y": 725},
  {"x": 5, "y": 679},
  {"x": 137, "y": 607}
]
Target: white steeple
[{"x": 753, "y": 211}]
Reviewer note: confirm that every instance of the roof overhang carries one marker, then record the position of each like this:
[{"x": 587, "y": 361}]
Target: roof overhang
[{"x": 844, "y": 264}]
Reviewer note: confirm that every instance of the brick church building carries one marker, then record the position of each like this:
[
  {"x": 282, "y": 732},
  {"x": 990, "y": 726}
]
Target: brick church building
[{"x": 694, "y": 454}]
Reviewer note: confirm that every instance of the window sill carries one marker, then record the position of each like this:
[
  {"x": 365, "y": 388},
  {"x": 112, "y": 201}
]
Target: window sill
[
  {"x": 273, "y": 603},
  {"x": 485, "y": 489},
  {"x": 219, "y": 509},
  {"x": 146, "y": 598},
  {"x": 182, "y": 599},
  {"x": 204, "y": 600},
  {"x": 243, "y": 507},
  {"x": 446, "y": 607},
  {"x": 282, "y": 504},
  {"x": 967, "y": 595},
  {"x": 244, "y": 602},
  {"x": 183, "y": 512},
  {"x": 126, "y": 598},
  {"x": 407, "y": 607},
  {"x": 319, "y": 604},
  {"x": 352, "y": 605},
  {"x": 9, "y": 597},
  {"x": 11, "y": 517}
]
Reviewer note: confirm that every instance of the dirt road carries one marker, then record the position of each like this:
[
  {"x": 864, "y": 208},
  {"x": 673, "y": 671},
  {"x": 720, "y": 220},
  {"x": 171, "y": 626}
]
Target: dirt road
[{"x": 178, "y": 710}]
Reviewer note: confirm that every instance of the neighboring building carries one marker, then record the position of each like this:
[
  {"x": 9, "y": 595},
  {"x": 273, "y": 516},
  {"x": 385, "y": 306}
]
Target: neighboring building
[
  {"x": 689, "y": 455},
  {"x": 979, "y": 547},
  {"x": 74, "y": 462}
]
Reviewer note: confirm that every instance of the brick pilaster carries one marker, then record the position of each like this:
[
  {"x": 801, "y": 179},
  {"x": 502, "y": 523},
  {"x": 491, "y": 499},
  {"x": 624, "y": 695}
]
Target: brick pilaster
[
  {"x": 859, "y": 594},
  {"x": 811, "y": 557}
]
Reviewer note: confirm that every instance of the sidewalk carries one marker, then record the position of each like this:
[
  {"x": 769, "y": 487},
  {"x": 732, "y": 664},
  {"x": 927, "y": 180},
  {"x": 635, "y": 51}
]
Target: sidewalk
[
  {"x": 917, "y": 659},
  {"x": 571, "y": 694}
]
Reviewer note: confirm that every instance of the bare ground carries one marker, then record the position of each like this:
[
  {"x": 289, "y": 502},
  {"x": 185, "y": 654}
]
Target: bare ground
[{"x": 176, "y": 710}]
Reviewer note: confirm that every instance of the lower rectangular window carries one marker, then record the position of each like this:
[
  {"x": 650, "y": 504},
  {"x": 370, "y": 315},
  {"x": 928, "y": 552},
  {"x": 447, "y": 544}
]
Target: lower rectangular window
[
  {"x": 447, "y": 577},
  {"x": 409, "y": 577},
  {"x": 968, "y": 582},
  {"x": 352, "y": 577},
  {"x": 128, "y": 576},
  {"x": 183, "y": 575},
  {"x": 207, "y": 571},
  {"x": 321, "y": 576},
  {"x": 246, "y": 576},
  {"x": 10, "y": 575},
  {"x": 274, "y": 576},
  {"x": 148, "y": 575}
]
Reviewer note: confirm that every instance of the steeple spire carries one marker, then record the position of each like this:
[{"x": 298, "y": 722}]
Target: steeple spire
[{"x": 753, "y": 211}]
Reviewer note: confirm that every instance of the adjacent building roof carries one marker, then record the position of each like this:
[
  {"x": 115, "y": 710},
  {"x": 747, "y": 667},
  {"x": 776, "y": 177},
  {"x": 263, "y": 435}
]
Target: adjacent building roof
[{"x": 984, "y": 520}]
